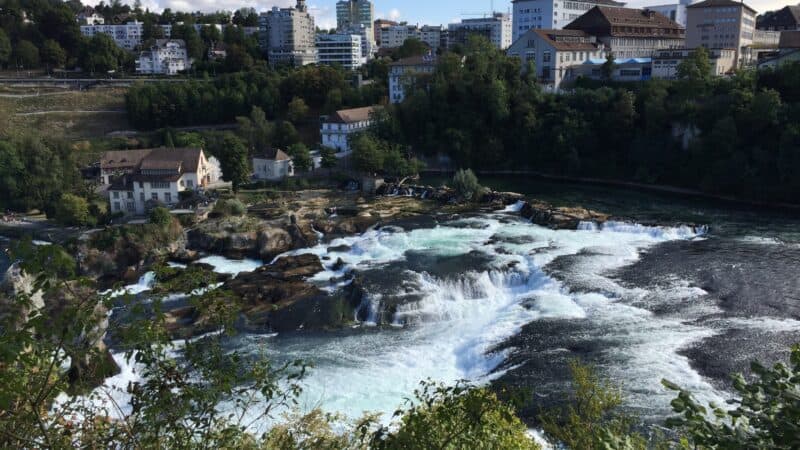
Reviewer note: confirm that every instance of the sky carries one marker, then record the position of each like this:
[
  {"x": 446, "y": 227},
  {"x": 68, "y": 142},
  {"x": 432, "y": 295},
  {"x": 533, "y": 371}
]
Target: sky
[{"x": 422, "y": 12}]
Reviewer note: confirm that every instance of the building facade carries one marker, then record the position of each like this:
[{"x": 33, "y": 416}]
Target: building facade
[
  {"x": 378, "y": 27},
  {"x": 354, "y": 13},
  {"x": 785, "y": 19},
  {"x": 630, "y": 33},
  {"x": 165, "y": 57},
  {"x": 88, "y": 16},
  {"x": 556, "y": 53},
  {"x": 722, "y": 24},
  {"x": 143, "y": 178},
  {"x": 342, "y": 49},
  {"x": 550, "y": 14},
  {"x": 272, "y": 165},
  {"x": 666, "y": 61},
  {"x": 394, "y": 36},
  {"x": 433, "y": 36},
  {"x": 337, "y": 128},
  {"x": 289, "y": 35},
  {"x": 497, "y": 29},
  {"x": 126, "y": 35},
  {"x": 676, "y": 12},
  {"x": 406, "y": 72}
]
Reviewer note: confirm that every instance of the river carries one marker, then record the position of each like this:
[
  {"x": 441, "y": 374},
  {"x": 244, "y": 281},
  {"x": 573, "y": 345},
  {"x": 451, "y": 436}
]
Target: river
[{"x": 489, "y": 297}]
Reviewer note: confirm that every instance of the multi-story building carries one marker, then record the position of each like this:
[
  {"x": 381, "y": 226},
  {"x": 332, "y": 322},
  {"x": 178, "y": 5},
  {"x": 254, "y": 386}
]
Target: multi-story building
[
  {"x": 141, "y": 178},
  {"x": 354, "y": 13},
  {"x": 88, "y": 16},
  {"x": 556, "y": 53},
  {"x": 342, "y": 49},
  {"x": 497, "y": 29},
  {"x": 666, "y": 61},
  {"x": 721, "y": 24},
  {"x": 272, "y": 165},
  {"x": 337, "y": 128},
  {"x": 165, "y": 57},
  {"x": 788, "y": 51},
  {"x": 629, "y": 69},
  {"x": 431, "y": 35},
  {"x": 126, "y": 35},
  {"x": 676, "y": 12},
  {"x": 630, "y": 33},
  {"x": 394, "y": 36},
  {"x": 379, "y": 26},
  {"x": 405, "y": 73},
  {"x": 289, "y": 35},
  {"x": 550, "y": 14},
  {"x": 785, "y": 19}
]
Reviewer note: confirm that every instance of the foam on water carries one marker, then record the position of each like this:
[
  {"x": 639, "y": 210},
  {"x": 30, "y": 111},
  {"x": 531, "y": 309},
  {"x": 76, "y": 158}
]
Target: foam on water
[
  {"x": 145, "y": 283},
  {"x": 233, "y": 267}
]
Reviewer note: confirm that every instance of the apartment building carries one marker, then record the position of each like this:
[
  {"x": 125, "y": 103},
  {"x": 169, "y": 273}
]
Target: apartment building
[
  {"x": 405, "y": 73},
  {"x": 378, "y": 27},
  {"x": 337, "y": 129},
  {"x": 497, "y": 29},
  {"x": 630, "y": 33},
  {"x": 550, "y": 14},
  {"x": 394, "y": 36},
  {"x": 165, "y": 57},
  {"x": 722, "y": 24},
  {"x": 666, "y": 61},
  {"x": 433, "y": 36},
  {"x": 340, "y": 49},
  {"x": 354, "y": 13},
  {"x": 289, "y": 35},
  {"x": 125, "y": 35}
]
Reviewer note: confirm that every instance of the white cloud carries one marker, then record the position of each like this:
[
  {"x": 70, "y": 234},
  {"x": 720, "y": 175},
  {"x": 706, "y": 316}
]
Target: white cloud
[{"x": 394, "y": 14}]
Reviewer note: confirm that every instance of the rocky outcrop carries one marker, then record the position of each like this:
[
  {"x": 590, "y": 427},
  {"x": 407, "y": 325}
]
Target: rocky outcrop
[{"x": 559, "y": 218}]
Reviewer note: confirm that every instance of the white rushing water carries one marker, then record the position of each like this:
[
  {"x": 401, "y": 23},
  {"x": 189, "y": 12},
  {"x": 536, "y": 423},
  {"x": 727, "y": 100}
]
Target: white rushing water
[{"x": 448, "y": 331}]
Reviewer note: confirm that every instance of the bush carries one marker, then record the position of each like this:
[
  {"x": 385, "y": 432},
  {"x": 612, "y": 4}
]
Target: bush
[
  {"x": 230, "y": 207},
  {"x": 73, "y": 210},
  {"x": 466, "y": 184},
  {"x": 160, "y": 216}
]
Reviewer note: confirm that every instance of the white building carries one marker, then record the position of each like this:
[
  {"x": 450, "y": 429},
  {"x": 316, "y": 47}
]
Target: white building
[
  {"x": 406, "y": 72},
  {"x": 497, "y": 29},
  {"x": 337, "y": 128},
  {"x": 722, "y": 24},
  {"x": 550, "y": 14},
  {"x": 289, "y": 35},
  {"x": 142, "y": 178},
  {"x": 556, "y": 54},
  {"x": 354, "y": 13},
  {"x": 431, "y": 35},
  {"x": 342, "y": 49},
  {"x": 165, "y": 57},
  {"x": 393, "y": 36},
  {"x": 666, "y": 61},
  {"x": 272, "y": 165},
  {"x": 88, "y": 16},
  {"x": 127, "y": 35},
  {"x": 674, "y": 11}
]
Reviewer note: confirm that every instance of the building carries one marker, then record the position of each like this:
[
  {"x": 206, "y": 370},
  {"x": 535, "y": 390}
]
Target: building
[
  {"x": 786, "y": 19},
  {"x": 165, "y": 57},
  {"x": 788, "y": 51},
  {"x": 342, "y": 49},
  {"x": 556, "y": 53},
  {"x": 380, "y": 25},
  {"x": 272, "y": 165},
  {"x": 139, "y": 179},
  {"x": 406, "y": 72},
  {"x": 88, "y": 16},
  {"x": 550, "y": 14},
  {"x": 630, "y": 33},
  {"x": 337, "y": 128},
  {"x": 289, "y": 35},
  {"x": 676, "y": 12},
  {"x": 721, "y": 24},
  {"x": 394, "y": 36},
  {"x": 125, "y": 35},
  {"x": 433, "y": 36},
  {"x": 497, "y": 29},
  {"x": 354, "y": 14},
  {"x": 629, "y": 69},
  {"x": 666, "y": 61}
]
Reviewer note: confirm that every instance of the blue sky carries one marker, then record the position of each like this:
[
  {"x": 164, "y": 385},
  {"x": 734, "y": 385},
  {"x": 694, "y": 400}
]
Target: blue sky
[{"x": 432, "y": 12}]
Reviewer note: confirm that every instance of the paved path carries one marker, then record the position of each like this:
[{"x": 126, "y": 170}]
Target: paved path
[{"x": 40, "y": 113}]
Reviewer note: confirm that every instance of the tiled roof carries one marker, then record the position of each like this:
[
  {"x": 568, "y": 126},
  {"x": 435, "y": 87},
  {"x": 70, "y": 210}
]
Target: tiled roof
[
  {"x": 594, "y": 2},
  {"x": 415, "y": 61},
  {"x": 560, "y": 39},
  {"x": 123, "y": 159},
  {"x": 721, "y": 3},
  {"x": 627, "y": 22},
  {"x": 183, "y": 159},
  {"x": 274, "y": 154},
  {"x": 352, "y": 115}
]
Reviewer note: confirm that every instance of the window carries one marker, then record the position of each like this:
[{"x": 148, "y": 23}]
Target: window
[
  {"x": 116, "y": 206},
  {"x": 167, "y": 197},
  {"x": 546, "y": 57},
  {"x": 189, "y": 184},
  {"x": 115, "y": 194},
  {"x": 154, "y": 196},
  {"x": 159, "y": 185},
  {"x": 130, "y": 207},
  {"x": 141, "y": 196},
  {"x": 130, "y": 195}
]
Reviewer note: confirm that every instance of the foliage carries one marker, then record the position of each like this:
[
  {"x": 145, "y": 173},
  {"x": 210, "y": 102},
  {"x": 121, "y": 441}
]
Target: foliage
[
  {"x": 5, "y": 49},
  {"x": 73, "y": 210},
  {"x": 230, "y": 207},
  {"x": 328, "y": 156},
  {"x": 696, "y": 67},
  {"x": 101, "y": 54},
  {"x": 26, "y": 55},
  {"x": 233, "y": 161},
  {"x": 367, "y": 155},
  {"x": 454, "y": 417},
  {"x": 466, "y": 184},
  {"x": 411, "y": 47},
  {"x": 160, "y": 216},
  {"x": 256, "y": 130},
  {"x": 607, "y": 69},
  {"x": 767, "y": 414},
  {"x": 301, "y": 157},
  {"x": 297, "y": 111}
]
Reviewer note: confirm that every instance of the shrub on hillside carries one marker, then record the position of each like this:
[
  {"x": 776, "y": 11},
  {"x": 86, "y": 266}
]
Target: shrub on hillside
[
  {"x": 230, "y": 207},
  {"x": 73, "y": 210},
  {"x": 466, "y": 185},
  {"x": 160, "y": 216}
]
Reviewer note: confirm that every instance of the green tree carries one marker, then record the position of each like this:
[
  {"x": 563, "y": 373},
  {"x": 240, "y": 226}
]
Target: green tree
[
  {"x": 411, "y": 47},
  {"x": 607, "y": 69},
  {"x": 328, "y": 156},
  {"x": 367, "y": 154},
  {"x": 285, "y": 134},
  {"x": 230, "y": 207},
  {"x": 233, "y": 159},
  {"x": 697, "y": 67},
  {"x": 301, "y": 157},
  {"x": 767, "y": 415},
  {"x": 52, "y": 54},
  {"x": 256, "y": 129},
  {"x": 5, "y": 49},
  {"x": 101, "y": 54},
  {"x": 160, "y": 216},
  {"x": 73, "y": 210},
  {"x": 297, "y": 110},
  {"x": 466, "y": 185},
  {"x": 195, "y": 47},
  {"x": 26, "y": 55}
]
